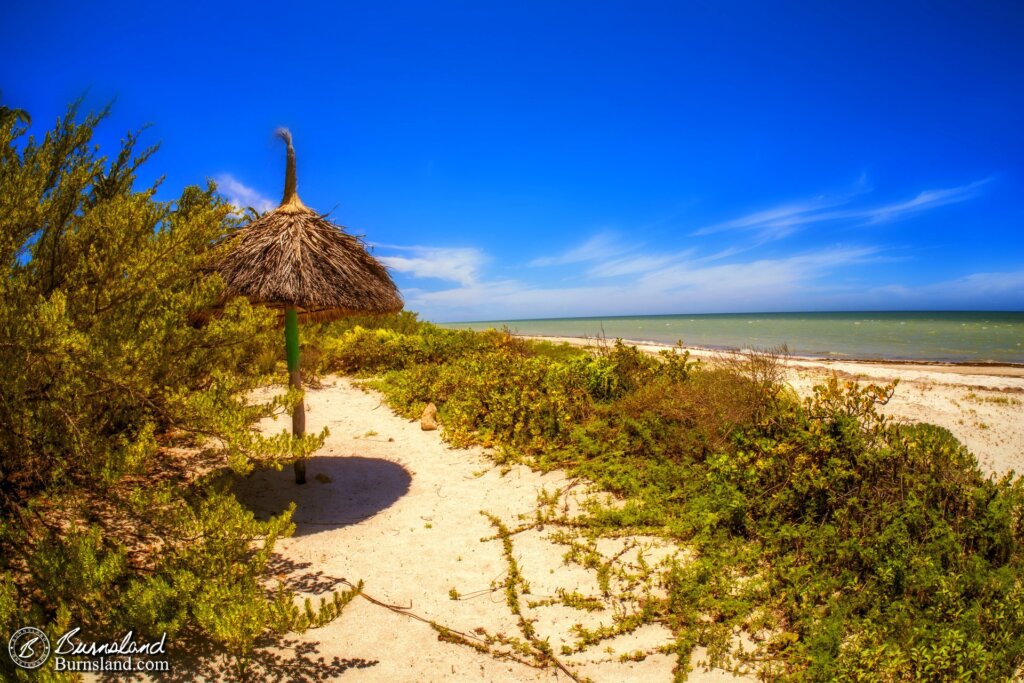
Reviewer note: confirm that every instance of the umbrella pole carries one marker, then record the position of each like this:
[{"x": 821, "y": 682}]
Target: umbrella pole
[{"x": 291, "y": 345}]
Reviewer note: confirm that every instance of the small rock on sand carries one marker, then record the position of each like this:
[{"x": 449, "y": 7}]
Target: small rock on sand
[{"x": 428, "y": 421}]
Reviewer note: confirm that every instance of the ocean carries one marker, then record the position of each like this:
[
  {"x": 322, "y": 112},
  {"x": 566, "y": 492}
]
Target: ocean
[{"x": 959, "y": 337}]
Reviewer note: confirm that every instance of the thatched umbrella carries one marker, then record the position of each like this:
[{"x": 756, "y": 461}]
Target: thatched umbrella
[{"x": 294, "y": 259}]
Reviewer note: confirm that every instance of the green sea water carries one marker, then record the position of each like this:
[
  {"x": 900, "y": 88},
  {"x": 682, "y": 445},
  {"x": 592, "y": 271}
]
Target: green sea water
[{"x": 974, "y": 337}]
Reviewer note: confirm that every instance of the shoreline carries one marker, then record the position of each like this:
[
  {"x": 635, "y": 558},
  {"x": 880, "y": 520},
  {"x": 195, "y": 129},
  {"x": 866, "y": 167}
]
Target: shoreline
[
  {"x": 992, "y": 368},
  {"x": 969, "y": 338}
]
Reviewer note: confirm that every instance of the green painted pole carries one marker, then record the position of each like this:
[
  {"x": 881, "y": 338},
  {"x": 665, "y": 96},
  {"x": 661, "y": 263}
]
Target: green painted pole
[{"x": 291, "y": 346}]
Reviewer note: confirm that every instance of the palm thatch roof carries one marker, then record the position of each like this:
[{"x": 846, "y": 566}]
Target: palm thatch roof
[{"x": 295, "y": 257}]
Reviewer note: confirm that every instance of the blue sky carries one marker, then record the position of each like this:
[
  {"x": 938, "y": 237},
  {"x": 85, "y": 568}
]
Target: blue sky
[{"x": 549, "y": 159}]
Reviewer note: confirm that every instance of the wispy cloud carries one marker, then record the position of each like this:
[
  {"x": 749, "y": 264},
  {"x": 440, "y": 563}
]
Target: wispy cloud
[
  {"x": 775, "y": 222},
  {"x": 609, "y": 275},
  {"x": 601, "y": 246},
  {"x": 751, "y": 277},
  {"x": 998, "y": 290},
  {"x": 783, "y": 220},
  {"x": 460, "y": 264},
  {"x": 631, "y": 265},
  {"x": 797, "y": 283},
  {"x": 680, "y": 284},
  {"x": 241, "y": 195},
  {"x": 929, "y": 199},
  {"x": 610, "y": 256}
]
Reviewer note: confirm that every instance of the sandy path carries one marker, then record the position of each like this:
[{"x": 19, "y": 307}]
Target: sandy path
[{"x": 396, "y": 507}]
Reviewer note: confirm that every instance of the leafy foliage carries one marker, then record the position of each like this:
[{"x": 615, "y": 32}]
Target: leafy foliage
[
  {"x": 832, "y": 543},
  {"x": 118, "y": 415}
]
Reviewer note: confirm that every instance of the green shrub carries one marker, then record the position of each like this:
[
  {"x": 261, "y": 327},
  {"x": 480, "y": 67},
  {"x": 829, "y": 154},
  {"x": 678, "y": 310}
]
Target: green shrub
[
  {"x": 842, "y": 545},
  {"x": 361, "y": 350},
  {"x": 527, "y": 402},
  {"x": 109, "y": 394},
  {"x": 876, "y": 538}
]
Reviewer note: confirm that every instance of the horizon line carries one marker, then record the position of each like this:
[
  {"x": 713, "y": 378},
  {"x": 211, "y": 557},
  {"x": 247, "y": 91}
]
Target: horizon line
[{"x": 740, "y": 313}]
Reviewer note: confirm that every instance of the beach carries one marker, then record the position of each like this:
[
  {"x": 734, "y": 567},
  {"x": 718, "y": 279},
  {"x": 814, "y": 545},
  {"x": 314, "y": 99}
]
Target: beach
[
  {"x": 396, "y": 507},
  {"x": 300, "y": 392}
]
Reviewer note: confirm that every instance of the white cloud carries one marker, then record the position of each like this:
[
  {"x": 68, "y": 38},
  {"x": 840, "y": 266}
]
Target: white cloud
[
  {"x": 929, "y": 199},
  {"x": 614, "y": 277},
  {"x": 981, "y": 284},
  {"x": 242, "y": 195},
  {"x": 680, "y": 282},
  {"x": 461, "y": 265},
  {"x": 752, "y": 277},
  {"x": 998, "y": 290},
  {"x": 610, "y": 256},
  {"x": 783, "y": 220},
  {"x": 631, "y": 265},
  {"x": 776, "y": 222},
  {"x": 679, "y": 286},
  {"x": 600, "y": 246}
]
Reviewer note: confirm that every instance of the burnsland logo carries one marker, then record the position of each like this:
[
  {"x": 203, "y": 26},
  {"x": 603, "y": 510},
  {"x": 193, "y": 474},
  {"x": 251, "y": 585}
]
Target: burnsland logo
[
  {"x": 29, "y": 647},
  {"x": 70, "y": 645}
]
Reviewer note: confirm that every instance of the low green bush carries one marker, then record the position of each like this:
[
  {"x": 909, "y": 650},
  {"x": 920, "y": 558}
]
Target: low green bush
[{"x": 840, "y": 545}]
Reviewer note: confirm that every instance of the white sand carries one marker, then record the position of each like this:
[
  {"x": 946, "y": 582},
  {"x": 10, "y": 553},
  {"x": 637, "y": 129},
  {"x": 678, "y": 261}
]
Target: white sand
[{"x": 401, "y": 511}]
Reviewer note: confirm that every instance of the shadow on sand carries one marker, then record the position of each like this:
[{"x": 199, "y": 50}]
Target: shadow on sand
[
  {"x": 281, "y": 660},
  {"x": 339, "y": 491}
]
